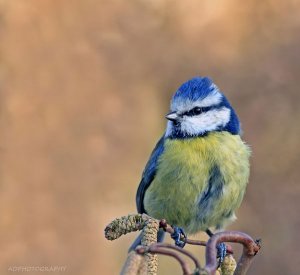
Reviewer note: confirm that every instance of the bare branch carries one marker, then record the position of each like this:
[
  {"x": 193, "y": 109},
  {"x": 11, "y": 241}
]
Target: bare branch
[
  {"x": 181, "y": 250},
  {"x": 195, "y": 242},
  {"x": 169, "y": 229},
  {"x": 148, "y": 263},
  {"x": 249, "y": 251},
  {"x": 159, "y": 250}
]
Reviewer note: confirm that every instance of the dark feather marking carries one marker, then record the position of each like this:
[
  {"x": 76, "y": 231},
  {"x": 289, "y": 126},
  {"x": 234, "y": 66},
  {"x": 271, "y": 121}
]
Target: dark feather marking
[
  {"x": 148, "y": 175},
  {"x": 212, "y": 193}
]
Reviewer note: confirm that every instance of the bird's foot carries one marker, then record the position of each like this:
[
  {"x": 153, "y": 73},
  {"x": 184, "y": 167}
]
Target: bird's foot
[
  {"x": 222, "y": 250},
  {"x": 178, "y": 235}
]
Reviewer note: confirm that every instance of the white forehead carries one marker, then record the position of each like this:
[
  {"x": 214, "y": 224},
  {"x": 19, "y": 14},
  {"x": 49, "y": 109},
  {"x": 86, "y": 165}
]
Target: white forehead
[{"x": 182, "y": 105}]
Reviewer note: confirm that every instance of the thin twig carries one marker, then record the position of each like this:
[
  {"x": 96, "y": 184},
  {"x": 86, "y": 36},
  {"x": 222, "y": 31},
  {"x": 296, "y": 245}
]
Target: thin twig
[
  {"x": 179, "y": 249},
  {"x": 158, "y": 250},
  {"x": 165, "y": 226},
  {"x": 249, "y": 251},
  {"x": 150, "y": 226},
  {"x": 229, "y": 249},
  {"x": 195, "y": 242},
  {"x": 169, "y": 229}
]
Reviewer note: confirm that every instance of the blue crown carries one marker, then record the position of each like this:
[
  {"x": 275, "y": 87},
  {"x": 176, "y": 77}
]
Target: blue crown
[{"x": 196, "y": 88}]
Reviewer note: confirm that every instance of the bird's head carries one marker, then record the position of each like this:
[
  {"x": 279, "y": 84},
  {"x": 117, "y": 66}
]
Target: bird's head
[{"x": 197, "y": 108}]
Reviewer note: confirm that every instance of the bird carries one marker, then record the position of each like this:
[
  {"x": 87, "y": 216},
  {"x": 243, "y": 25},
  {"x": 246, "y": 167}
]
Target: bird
[{"x": 197, "y": 174}]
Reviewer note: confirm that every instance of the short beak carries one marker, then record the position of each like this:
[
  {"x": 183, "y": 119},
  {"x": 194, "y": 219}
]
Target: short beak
[{"x": 172, "y": 116}]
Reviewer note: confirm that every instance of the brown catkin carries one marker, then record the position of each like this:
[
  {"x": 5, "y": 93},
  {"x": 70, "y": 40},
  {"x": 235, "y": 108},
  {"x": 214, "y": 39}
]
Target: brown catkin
[
  {"x": 228, "y": 266},
  {"x": 124, "y": 225},
  {"x": 150, "y": 237}
]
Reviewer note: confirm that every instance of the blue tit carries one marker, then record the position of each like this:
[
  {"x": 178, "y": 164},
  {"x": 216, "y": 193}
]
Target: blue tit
[{"x": 197, "y": 174}]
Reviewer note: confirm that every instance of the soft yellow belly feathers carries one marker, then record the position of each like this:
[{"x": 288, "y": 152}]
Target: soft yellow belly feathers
[{"x": 191, "y": 187}]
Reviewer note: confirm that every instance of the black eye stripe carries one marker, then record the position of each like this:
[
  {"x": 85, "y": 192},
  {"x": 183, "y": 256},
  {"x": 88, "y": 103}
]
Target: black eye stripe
[{"x": 199, "y": 110}]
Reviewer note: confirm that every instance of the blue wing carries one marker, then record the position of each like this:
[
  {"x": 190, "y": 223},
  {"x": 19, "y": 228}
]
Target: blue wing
[{"x": 149, "y": 174}]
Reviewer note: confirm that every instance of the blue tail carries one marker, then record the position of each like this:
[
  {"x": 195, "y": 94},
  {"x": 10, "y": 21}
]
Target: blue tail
[{"x": 160, "y": 238}]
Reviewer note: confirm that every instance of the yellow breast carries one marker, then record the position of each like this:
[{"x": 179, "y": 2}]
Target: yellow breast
[{"x": 184, "y": 177}]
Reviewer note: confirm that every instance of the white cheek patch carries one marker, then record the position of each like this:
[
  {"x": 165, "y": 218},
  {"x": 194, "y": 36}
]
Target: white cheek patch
[
  {"x": 209, "y": 121},
  {"x": 182, "y": 105}
]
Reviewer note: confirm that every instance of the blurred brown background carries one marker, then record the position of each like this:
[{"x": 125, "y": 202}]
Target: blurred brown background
[{"x": 84, "y": 88}]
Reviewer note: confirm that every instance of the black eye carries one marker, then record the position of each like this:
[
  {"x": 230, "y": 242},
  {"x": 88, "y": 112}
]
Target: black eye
[{"x": 197, "y": 111}]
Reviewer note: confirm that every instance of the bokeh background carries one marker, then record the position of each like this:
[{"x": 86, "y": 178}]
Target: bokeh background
[{"x": 84, "y": 88}]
